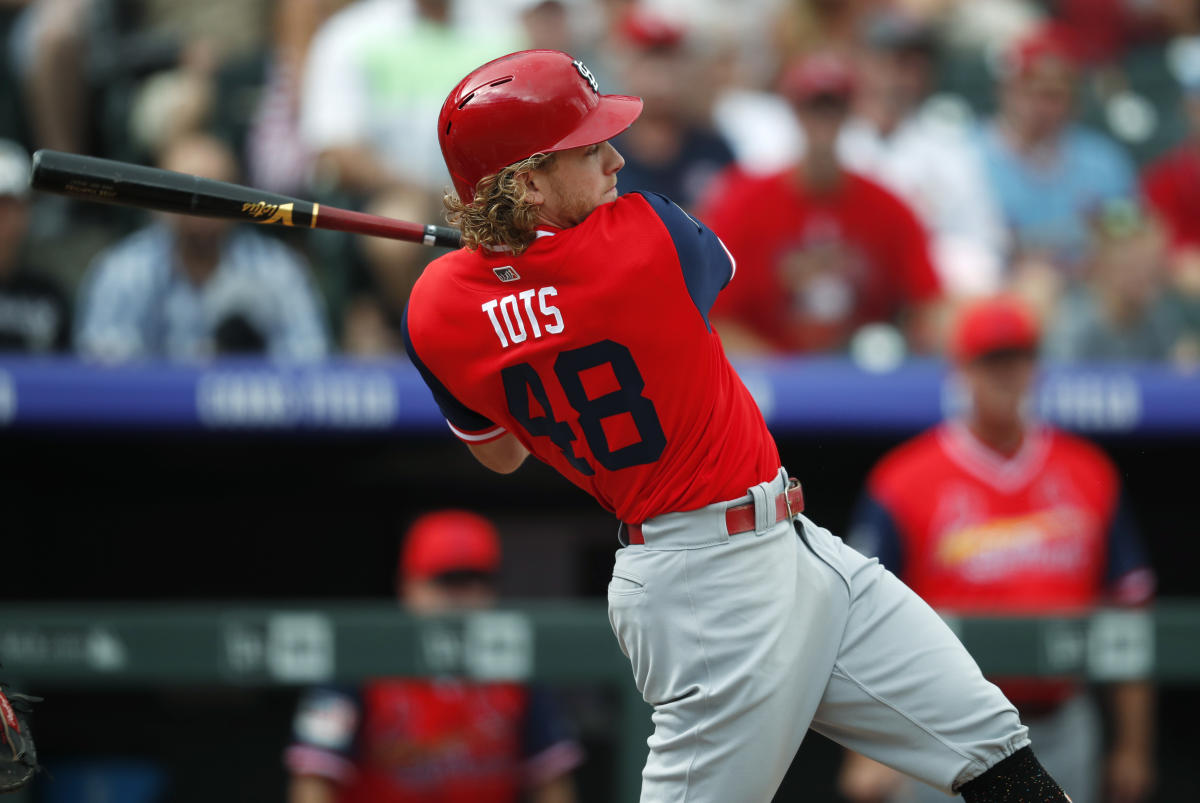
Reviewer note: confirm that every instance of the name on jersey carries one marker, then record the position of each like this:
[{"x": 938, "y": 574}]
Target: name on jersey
[{"x": 518, "y": 316}]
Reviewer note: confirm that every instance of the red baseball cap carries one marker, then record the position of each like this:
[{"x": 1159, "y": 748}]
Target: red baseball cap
[
  {"x": 647, "y": 30},
  {"x": 999, "y": 323},
  {"x": 817, "y": 74},
  {"x": 449, "y": 541},
  {"x": 1050, "y": 48}
]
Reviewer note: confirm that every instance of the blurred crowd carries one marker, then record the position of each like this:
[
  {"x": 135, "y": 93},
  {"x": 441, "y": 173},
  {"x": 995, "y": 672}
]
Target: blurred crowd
[{"x": 871, "y": 164}]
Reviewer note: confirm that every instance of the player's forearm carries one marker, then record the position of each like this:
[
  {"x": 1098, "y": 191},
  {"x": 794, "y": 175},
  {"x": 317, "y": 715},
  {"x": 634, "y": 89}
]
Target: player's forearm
[{"x": 503, "y": 455}]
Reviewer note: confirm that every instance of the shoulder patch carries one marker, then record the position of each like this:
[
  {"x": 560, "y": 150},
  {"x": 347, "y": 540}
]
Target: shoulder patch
[{"x": 327, "y": 720}]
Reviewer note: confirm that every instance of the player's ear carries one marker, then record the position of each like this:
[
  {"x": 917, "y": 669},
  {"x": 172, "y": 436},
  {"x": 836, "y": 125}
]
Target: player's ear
[{"x": 533, "y": 187}]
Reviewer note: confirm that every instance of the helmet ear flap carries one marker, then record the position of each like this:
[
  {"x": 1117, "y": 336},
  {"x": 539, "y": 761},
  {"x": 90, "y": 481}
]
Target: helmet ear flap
[{"x": 533, "y": 101}]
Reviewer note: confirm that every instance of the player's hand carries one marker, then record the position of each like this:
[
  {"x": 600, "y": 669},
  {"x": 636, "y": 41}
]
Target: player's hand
[
  {"x": 1130, "y": 776},
  {"x": 863, "y": 780}
]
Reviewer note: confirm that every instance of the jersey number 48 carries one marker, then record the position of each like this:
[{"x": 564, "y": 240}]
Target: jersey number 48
[{"x": 521, "y": 383}]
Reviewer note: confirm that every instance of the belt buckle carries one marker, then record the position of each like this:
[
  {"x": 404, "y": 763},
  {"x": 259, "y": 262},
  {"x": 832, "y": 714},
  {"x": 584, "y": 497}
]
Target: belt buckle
[{"x": 787, "y": 497}]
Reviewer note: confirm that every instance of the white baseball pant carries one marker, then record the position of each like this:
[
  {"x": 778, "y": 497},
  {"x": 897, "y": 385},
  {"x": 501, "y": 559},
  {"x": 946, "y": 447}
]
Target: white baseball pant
[{"x": 741, "y": 642}]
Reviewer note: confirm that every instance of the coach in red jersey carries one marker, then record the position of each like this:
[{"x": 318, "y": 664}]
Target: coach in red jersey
[
  {"x": 434, "y": 740},
  {"x": 995, "y": 513},
  {"x": 822, "y": 250},
  {"x": 574, "y": 326}
]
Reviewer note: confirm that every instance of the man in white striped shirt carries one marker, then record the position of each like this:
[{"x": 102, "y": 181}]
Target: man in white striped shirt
[{"x": 189, "y": 288}]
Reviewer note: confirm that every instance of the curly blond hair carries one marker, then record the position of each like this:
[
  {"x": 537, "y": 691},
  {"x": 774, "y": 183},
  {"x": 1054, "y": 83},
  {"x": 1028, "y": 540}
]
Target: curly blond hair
[{"x": 499, "y": 215}]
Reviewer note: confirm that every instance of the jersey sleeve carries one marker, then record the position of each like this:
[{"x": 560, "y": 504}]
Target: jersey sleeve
[
  {"x": 324, "y": 734},
  {"x": 1128, "y": 576},
  {"x": 706, "y": 263},
  {"x": 549, "y": 748},
  {"x": 874, "y": 533},
  {"x": 468, "y": 425}
]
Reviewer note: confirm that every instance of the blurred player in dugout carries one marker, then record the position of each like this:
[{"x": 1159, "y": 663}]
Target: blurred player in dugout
[
  {"x": 434, "y": 740},
  {"x": 993, "y": 512}
]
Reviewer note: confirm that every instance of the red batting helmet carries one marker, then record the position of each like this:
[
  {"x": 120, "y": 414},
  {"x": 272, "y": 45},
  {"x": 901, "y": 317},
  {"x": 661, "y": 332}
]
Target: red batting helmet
[{"x": 534, "y": 101}]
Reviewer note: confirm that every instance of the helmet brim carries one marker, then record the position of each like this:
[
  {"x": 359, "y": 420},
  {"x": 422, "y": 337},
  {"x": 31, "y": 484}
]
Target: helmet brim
[{"x": 612, "y": 115}]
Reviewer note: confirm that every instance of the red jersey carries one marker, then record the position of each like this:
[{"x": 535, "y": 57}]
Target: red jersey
[
  {"x": 1172, "y": 185},
  {"x": 971, "y": 531},
  {"x": 429, "y": 741},
  {"x": 593, "y": 348},
  {"x": 813, "y": 269}
]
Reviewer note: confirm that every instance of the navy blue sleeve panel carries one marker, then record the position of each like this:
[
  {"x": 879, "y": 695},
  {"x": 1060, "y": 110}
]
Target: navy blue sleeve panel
[
  {"x": 458, "y": 414},
  {"x": 874, "y": 533},
  {"x": 544, "y": 725},
  {"x": 1127, "y": 575},
  {"x": 706, "y": 262},
  {"x": 549, "y": 747}
]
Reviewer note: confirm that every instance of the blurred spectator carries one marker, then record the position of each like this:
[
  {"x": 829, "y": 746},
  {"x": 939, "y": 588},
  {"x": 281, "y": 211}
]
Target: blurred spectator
[
  {"x": 820, "y": 250},
  {"x": 175, "y": 101},
  {"x": 191, "y": 287},
  {"x": 924, "y": 156},
  {"x": 1048, "y": 173},
  {"x": 375, "y": 79},
  {"x": 758, "y": 124},
  {"x": 13, "y": 115},
  {"x": 434, "y": 740},
  {"x": 83, "y": 61},
  {"x": 372, "y": 319},
  {"x": 54, "y": 58},
  {"x": 808, "y": 26},
  {"x": 1172, "y": 186},
  {"x": 982, "y": 26},
  {"x": 670, "y": 151},
  {"x": 997, "y": 514},
  {"x": 1124, "y": 309},
  {"x": 34, "y": 313},
  {"x": 1103, "y": 29},
  {"x": 277, "y": 158},
  {"x": 548, "y": 25}
]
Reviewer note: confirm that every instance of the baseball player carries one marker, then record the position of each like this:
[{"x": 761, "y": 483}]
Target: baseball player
[
  {"x": 994, "y": 513},
  {"x": 434, "y": 740},
  {"x": 574, "y": 326}
]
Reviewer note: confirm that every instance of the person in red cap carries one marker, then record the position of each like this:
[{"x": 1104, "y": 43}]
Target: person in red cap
[
  {"x": 673, "y": 150},
  {"x": 821, "y": 250},
  {"x": 994, "y": 512},
  {"x": 574, "y": 327},
  {"x": 449, "y": 562},
  {"x": 415, "y": 740}
]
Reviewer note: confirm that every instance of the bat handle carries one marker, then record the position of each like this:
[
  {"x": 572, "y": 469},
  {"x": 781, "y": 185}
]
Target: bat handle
[{"x": 442, "y": 236}]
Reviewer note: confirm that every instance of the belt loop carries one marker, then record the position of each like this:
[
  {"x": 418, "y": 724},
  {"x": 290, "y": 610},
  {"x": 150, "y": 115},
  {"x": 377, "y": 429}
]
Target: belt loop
[
  {"x": 787, "y": 490},
  {"x": 764, "y": 507}
]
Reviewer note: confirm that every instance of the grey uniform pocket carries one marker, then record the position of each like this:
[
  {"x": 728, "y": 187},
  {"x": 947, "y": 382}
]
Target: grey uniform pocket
[{"x": 625, "y": 584}]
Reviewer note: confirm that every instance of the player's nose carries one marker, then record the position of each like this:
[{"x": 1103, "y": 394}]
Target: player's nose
[{"x": 614, "y": 161}]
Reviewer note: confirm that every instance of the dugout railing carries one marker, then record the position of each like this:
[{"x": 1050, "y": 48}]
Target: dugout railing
[{"x": 124, "y": 646}]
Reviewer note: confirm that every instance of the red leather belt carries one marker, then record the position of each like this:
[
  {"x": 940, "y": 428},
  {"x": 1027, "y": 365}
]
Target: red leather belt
[{"x": 740, "y": 519}]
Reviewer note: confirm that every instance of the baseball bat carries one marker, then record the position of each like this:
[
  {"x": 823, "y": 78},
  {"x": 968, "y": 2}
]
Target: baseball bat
[{"x": 107, "y": 181}]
